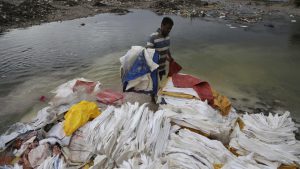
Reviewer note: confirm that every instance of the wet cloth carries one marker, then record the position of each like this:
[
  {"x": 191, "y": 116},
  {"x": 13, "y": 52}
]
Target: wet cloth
[
  {"x": 142, "y": 75},
  {"x": 202, "y": 88}
]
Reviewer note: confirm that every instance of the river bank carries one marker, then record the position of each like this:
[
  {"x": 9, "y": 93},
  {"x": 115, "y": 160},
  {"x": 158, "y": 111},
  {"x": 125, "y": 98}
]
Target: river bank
[{"x": 24, "y": 13}]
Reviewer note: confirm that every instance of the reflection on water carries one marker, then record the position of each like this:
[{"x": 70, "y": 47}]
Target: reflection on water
[{"x": 252, "y": 64}]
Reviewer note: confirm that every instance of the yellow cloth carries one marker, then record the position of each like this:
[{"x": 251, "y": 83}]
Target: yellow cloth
[
  {"x": 222, "y": 103},
  {"x": 78, "y": 115}
]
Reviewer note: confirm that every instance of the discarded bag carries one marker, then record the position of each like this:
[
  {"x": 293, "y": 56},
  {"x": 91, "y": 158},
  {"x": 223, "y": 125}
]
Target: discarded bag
[{"x": 78, "y": 115}]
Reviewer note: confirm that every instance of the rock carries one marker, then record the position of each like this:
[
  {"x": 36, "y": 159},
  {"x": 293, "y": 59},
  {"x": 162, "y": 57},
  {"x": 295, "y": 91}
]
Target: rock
[
  {"x": 99, "y": 4},
  {"x": 82, "y": 24},
  {"x": 119, "y": 11},
  {"x": 269, "y": 25}
]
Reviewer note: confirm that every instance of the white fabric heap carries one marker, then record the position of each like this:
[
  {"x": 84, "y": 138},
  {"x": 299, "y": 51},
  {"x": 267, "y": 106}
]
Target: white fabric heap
[
  {"x": 246, "y": 162},
  {"x": 143, "y": 162},
  {"x": 191, "y": 150},
  {"x": 198, "y": 115},
  {"x": 55, "y": 162},
  {"x": 122, "y": 133},
  {"x": 57, "y": 132},
  {"x": 13, "y": 132},
  {"x": 270, "y": 138},
  {"x": 64, "y": 94},
  {"x": 144, "y": 82},
  {"x": 48, "y": 115},
  {"x": 79, "y": 150}
]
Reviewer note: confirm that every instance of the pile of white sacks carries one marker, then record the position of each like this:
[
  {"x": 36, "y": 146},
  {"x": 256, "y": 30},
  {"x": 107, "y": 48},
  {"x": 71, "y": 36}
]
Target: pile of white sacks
[{"x": 185, "y": 133}]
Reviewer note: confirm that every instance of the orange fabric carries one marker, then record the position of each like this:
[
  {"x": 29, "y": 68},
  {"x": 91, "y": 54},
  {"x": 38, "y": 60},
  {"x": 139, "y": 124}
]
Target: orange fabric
[{"x": 222, "y": 103}]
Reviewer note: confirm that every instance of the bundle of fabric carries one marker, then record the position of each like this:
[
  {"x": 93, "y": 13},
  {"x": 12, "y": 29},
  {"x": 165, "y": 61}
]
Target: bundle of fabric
[
  {"x": 200, "y": 117},
  {"x": 122, "y": 133},
  {"x": 246, "y": 162},
  {"x": 143, "y": 162},
  {"x": 183, "y": 85},
  {"x": 189, "y": 87},
  {"x": 139, "y": 70},
  {"x": 13, "y": 132},
  {"x": 187, "y": 149},
  {"x": 271, "y": 138}
]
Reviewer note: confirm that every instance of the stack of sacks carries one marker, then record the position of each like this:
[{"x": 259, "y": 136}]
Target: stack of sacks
[
  {"x": 191, "y": 150},
  {"x": 271, "y": 139},
  {"x": 246, "y": 162},
  {"x": 189, "y": 87},
  {"x": 139, "y": 70},
  {"x": 199, "y": 117},
  {"x": 143, "y": 162},
  {"x": 126, "y": 132}
]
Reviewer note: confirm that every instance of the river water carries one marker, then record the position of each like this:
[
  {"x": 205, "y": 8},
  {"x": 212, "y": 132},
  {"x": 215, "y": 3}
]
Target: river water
[{"x": 255, "y": 67}]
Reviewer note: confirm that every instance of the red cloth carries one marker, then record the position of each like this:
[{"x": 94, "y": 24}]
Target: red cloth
[
  {"x": 88, "y": 86},
  {"x": 201, "y": 87},
  {"x": 109, "y": 97},
  {"x": 174, "y": 68}
]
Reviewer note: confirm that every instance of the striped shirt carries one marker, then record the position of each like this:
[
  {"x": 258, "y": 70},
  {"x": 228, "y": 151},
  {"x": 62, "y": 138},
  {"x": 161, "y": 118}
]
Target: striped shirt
[{"x": 160, "y": 44}]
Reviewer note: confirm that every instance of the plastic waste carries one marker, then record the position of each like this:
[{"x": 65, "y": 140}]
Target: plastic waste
[{"x": 78, "y": 115}]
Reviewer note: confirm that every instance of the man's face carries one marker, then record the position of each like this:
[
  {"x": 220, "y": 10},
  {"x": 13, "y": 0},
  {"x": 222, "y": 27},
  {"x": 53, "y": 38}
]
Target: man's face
[{"x": 166, "y": 29}]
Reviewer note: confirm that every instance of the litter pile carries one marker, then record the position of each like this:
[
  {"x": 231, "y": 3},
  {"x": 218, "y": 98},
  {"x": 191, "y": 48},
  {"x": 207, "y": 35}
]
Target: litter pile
[{"x": 194, "y": 127}]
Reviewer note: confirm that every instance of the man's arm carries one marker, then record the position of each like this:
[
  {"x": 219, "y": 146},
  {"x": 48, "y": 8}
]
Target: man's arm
[
  {"x": 150, "y": 42},
  {"x": 169, "y": 56}
]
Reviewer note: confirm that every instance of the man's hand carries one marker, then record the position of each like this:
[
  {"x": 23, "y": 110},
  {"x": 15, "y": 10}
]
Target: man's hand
[{"x": 169, "y": 58}]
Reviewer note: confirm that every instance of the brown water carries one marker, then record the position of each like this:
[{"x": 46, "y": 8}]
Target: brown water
[{"x": 255, "y": 66}]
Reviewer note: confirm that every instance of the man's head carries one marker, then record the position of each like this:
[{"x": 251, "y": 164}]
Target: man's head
[{"x": 166, "y": 26}]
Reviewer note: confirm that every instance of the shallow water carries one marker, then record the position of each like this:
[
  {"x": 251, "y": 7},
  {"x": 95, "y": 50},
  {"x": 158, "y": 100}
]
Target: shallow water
[{"x": 254, "y": 66}]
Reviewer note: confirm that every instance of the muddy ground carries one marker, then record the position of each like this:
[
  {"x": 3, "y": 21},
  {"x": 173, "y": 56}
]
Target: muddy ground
[{"x": 23, "y": 13}]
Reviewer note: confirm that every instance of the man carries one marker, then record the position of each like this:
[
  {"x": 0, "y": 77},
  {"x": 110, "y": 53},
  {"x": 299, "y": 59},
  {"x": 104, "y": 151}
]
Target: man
[{"x": 160, "y": 41}]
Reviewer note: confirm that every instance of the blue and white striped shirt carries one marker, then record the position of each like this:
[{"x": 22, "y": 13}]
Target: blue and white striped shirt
[{"x": 162, "y": 45}]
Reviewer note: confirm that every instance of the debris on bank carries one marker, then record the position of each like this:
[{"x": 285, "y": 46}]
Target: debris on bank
[
  {"x": 86, "y": 126},
  {"x": 20, "y": 13}
]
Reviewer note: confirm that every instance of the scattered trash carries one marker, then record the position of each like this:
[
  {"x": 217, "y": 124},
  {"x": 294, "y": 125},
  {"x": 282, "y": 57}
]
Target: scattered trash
[
  {"x": 243, "y": 26},
  {"x": 293, "y": 21}
]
